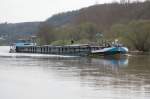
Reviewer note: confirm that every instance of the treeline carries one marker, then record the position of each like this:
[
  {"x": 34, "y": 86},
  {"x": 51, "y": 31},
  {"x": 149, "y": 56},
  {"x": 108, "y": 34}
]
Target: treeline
[
  {"x": 79, "y": 33},
  {"x": 135, "y": 34},
  {"x": 128, "y": 22},
  {"x": 12, "y": 31}
]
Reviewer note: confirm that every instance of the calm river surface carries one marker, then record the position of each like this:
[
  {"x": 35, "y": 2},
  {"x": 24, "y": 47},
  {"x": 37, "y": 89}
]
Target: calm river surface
[{"x": 32, "y": 76}]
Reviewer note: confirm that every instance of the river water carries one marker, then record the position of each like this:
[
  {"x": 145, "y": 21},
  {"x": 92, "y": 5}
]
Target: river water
[{"x": 37, "y": 76}]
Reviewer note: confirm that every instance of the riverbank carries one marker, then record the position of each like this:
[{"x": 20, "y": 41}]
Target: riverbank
[{"x": 138, "y": 53}]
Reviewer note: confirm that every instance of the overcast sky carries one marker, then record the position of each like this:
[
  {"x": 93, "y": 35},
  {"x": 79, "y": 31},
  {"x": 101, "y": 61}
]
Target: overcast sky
[{"x": 14, "y": 11}]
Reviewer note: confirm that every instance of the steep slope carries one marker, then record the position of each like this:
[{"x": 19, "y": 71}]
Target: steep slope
[
  {"x": 103, "y": 15},
  {"x": 62, "y": 18}
]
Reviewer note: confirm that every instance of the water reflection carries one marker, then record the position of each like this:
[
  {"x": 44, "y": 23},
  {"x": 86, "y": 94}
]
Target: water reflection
[
  {"x": 116, "y": 63},
  {"x": 117, "y": 75},
  {"x": 88, "y": 70}
]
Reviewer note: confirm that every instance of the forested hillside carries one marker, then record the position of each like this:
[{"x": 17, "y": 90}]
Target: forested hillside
[
  {"x": 104, "y": 15},
  {"x": 112, "y": 21},
  {"x": 125, "y": 21},
  {"x": 63, "y": 18},
  {"x": 10, "y": 32}
]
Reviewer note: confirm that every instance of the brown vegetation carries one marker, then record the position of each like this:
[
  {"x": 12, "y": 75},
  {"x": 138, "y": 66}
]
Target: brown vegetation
[{"x": 116, "y": 20}]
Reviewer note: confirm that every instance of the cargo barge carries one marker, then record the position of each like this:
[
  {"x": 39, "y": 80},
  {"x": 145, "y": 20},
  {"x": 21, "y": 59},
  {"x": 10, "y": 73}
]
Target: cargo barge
[{"x": 71, "y": 50}]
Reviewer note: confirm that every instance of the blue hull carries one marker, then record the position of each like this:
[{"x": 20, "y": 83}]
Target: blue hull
[{"x": 110, "y": 51}]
